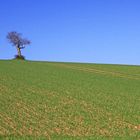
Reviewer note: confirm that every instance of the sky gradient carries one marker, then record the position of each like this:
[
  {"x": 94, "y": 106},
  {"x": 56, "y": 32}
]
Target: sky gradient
[{"x": 95, "y": 31}]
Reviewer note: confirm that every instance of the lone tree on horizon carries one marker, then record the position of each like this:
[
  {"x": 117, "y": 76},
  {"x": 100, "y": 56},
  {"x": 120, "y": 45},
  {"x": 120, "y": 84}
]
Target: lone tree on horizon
[{"x": 16, "y": 40}]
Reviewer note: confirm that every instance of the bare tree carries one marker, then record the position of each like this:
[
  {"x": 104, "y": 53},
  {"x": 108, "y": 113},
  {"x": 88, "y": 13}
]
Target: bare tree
[{"x": 16, "y": 40}]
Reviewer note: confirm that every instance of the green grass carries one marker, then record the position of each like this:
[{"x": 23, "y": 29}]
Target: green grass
[{"x": 46, "y": 100}]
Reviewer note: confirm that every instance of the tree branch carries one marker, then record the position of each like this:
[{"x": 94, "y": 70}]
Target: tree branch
[{"x": 22, "y": 47}]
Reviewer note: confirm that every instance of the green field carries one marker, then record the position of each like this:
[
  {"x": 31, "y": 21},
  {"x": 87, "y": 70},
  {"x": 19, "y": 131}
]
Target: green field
[{"x": 47, "y": 100}]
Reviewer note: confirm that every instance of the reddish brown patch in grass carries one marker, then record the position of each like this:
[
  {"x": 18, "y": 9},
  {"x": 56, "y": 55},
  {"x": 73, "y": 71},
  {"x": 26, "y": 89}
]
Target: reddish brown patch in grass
[
  {"x": 66, "y": 119},
  {"x": 137, "y": 127}
]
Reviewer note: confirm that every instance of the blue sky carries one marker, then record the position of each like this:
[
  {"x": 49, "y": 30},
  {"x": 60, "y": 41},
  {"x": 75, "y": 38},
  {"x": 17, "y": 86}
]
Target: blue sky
[{"x": 95, "y": 31}]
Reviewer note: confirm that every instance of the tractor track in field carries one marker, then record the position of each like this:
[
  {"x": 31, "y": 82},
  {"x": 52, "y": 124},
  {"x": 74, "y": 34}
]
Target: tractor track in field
[{"x": 93, "y": 70}]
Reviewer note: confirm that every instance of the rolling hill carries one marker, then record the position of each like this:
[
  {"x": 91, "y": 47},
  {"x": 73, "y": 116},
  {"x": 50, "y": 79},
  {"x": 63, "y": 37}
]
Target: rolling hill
[{"x": 49, "y": 100}]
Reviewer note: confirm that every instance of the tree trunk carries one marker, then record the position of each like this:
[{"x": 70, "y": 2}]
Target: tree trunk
[{"x": 19, "y": 51}]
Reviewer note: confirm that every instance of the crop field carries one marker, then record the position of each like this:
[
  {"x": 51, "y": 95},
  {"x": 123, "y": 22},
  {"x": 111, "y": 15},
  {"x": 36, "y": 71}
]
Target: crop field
[{"x": 70, "y": 101}]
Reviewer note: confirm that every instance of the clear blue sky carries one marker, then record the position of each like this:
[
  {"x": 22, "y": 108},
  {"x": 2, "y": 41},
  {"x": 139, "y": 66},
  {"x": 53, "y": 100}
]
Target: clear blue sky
[{"x": 98, "y": 31}]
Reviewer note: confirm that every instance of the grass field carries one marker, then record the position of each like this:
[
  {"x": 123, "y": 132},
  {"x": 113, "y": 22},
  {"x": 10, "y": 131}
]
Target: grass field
[{"x": 45, "y": 100}]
